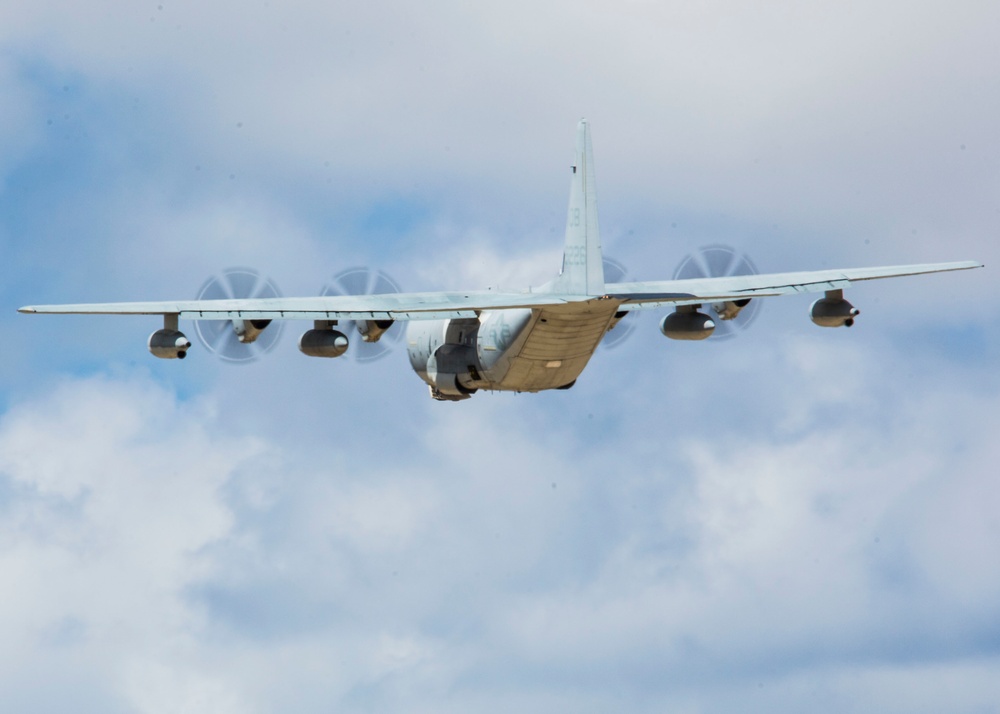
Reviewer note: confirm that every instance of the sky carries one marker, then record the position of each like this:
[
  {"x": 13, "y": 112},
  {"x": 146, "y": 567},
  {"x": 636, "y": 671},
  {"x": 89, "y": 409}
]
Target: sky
[{"x": 795, "y": 519}]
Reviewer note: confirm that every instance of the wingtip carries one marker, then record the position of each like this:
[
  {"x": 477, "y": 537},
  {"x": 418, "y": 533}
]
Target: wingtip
[{"x": 27, "y": 310}]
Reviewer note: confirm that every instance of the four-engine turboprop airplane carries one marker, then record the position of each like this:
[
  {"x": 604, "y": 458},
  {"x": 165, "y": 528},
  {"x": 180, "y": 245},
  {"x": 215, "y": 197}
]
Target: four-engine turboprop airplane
[{"x": 542, "y": 338}]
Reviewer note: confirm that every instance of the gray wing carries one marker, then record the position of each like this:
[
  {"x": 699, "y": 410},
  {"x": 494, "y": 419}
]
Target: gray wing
[
  {"x": 636, "y": 296},
  {"x": 393, "y": 306},
  {"x": 437, "y": 305}
]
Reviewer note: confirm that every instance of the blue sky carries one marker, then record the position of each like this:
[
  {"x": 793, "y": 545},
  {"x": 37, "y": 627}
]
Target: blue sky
[{"x": 795, "y": 519}]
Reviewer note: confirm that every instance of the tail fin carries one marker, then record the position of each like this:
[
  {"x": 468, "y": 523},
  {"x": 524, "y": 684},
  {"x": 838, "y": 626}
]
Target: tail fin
[{"x": 583, "y": 266}]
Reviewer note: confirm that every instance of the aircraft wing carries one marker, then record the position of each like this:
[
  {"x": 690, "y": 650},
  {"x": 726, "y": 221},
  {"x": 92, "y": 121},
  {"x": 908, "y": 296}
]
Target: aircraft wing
[
  {"x": 390, "y": 306},
  {"x": 440, "y": 305},
  {"x": 643, "y": 295}
]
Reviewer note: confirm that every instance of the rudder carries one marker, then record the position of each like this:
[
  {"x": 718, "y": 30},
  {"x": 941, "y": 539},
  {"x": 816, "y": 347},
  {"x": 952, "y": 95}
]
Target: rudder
[{"x": 583, "y": 268}]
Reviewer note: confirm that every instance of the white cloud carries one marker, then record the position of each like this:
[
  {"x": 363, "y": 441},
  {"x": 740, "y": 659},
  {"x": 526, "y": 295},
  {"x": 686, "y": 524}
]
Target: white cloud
[
  {"x": 112, "y": 492},
  {"x": 183, "y": 568},
  {"x": 795, "y": 517},
  {"x": 782, "y": 114}
]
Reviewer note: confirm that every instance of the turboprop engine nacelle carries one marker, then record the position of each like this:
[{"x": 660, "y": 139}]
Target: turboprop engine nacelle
[
  {"x": 686, "y": 323},
  {"x": 169, "y": 344},
  {"x": 833, "y": 310},
  {"x": 249, "y": 330},
  {"x": 730, "y": 309},
  {"x": 372, "y": 330},
  {"x": 443, "y": 353},
  {"x": 451, "y": 371}
]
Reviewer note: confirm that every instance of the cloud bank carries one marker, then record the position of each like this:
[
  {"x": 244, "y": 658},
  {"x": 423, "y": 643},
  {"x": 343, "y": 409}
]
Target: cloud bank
[{"x": 795, "y": 519}]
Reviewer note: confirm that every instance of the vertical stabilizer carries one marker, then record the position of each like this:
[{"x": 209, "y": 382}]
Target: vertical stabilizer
[{"x": 583, "y": 266}]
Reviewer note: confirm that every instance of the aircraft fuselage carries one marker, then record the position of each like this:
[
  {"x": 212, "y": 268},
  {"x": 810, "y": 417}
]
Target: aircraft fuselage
[{"x": 525, "y": 350}]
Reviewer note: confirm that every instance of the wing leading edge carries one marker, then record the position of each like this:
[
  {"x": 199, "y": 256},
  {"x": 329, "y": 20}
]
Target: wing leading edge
[
  {"x": 440, "y": 305},
  {"x": 644, "y": 295},
  {"x": 390, "y": 306}
]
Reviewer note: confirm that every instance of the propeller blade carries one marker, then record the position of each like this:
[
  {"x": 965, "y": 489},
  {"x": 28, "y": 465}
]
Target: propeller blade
[
  {"x": 614, "y": 272},
  {"x": 383, "y": 284},
  {"x": 719, "y": 261},
  {"x": 218, "y": 336},
  {"x": 362, "y": 280},
  {"x": 353, "y": 282}
]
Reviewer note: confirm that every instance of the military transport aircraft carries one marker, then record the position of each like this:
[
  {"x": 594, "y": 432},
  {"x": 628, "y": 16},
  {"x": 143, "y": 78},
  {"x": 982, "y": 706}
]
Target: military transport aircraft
[{"x": 542, "y": 338}]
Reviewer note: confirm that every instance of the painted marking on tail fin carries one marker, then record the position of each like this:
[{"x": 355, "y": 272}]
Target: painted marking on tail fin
[{"x": 583, "y": 269}]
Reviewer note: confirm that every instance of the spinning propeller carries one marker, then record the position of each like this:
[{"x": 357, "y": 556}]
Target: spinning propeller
[
  {"x": 220, "y": 336},
  {"x": 366, "y": 281},
  {"x": 244, "y": 341},
  {"x": 720, "y": 261},
  {"x": 711, "y": 261},
  {"x": 614, "y": 272}
]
